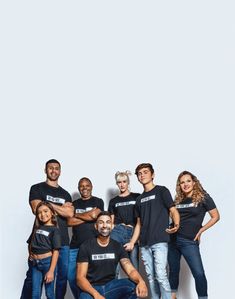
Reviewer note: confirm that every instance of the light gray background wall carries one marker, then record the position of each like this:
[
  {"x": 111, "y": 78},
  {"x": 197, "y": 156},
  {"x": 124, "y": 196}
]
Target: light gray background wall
[{"x": 105, "y": 85}]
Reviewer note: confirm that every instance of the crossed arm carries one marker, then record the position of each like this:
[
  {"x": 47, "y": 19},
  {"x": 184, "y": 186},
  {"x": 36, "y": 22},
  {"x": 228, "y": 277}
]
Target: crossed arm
[
  {"x": 80, "y": 218},
  {"x": 66, "y": 210}
]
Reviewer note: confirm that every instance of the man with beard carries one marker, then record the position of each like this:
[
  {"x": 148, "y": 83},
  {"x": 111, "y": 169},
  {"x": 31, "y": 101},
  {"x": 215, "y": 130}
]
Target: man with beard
[
  {"x": 60, "y": 199},
  {"x": 96, "y": 266},
  {"x": 86, "y": 210}
]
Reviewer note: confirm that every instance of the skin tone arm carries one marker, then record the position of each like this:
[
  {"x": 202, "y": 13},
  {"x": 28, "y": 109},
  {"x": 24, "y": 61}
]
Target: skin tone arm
[
  {"x": 214, "y": 214},
  {"x": 66, "y": 210},
  {"x": 83, "y": 282},
  {"x": 129, "y": 246},
  {"x": 133, "y": 274},
  {"x": 80, "y": 218},
  {"x": 49, "y": 277},
  {"x": 174, "y": 214}
]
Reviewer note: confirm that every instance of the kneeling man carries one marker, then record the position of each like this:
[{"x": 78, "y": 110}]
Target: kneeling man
[{"x": 96, "y": 267}]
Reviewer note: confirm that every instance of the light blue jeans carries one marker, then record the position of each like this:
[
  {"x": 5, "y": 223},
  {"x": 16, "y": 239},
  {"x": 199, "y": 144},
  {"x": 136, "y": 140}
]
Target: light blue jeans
[
  {"x": 154, "y": 258},
  {"x": 72, "y": 272}
]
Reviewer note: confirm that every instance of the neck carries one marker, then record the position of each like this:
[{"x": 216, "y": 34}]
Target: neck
[
  {"x": 86, "y": 198},
  {"x": 125, "y": 193},
  {"x": 149, "y": 186},
  {"x": 52, "y": 183},
  {"x": 103, "y": 241}
]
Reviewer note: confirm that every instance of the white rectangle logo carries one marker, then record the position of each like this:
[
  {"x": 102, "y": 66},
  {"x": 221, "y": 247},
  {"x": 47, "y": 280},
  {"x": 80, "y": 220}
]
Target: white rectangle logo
[
  {"x": 42, "y": 232},
  {"x": 127, "y": 203},
  {"x": 79, "y": 211},
  {"x": 55, "y": 199},
  {"x": 148, "y": 198},
  {"x": 105, "y": 256},
  {"x": 183, "y": 206}
]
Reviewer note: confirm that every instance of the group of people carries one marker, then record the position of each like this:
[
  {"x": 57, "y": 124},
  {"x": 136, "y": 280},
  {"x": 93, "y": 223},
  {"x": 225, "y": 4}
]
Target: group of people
[{"x": 151, "y": 224}]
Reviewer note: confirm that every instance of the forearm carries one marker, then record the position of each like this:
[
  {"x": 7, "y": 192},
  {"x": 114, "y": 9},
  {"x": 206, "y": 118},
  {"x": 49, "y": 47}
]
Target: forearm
[
  {"x": 136, "y": 233},
  {"x": 85, "y": 285},
  {"x": 72, "y": 221},
  {"x": 175, "y": 216},
  {"x": 54, "y": 259},
  {"x": 88, "y": 216},
  {"x": 66, "y": 211},
  {"x": 209, "y": 224}
]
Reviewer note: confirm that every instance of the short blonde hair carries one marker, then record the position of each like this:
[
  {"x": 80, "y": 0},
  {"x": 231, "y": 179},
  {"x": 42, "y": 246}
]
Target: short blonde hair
[{"x": 121, "y": 174}]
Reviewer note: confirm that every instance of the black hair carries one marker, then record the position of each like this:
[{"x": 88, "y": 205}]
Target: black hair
[
  {"x": 52, "y": 161},
  {"x": 103, "y": 213}
]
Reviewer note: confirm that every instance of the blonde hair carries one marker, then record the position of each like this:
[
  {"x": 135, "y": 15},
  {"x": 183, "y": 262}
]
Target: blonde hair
[
  {"x": 198, "y": 191},
  {"x": 121, "y": 174}
]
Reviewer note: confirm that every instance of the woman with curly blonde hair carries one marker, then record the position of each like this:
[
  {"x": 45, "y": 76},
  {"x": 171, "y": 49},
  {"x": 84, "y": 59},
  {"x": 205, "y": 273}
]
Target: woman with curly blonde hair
[{"x": 192, "y": 202}]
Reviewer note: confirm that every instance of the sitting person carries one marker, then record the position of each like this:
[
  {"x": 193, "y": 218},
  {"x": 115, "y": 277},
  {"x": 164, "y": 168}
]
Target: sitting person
[{"x": 96, "y": 267}]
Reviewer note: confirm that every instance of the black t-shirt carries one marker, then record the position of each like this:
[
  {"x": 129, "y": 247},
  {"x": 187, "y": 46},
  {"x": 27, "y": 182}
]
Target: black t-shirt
[
  {"x": 102, "y": 260},
  {"x": 123, "y": 208},
  {"x": 85, "y": 230},
  {"x": 55, "y": 195},
  {"x": 192, "y": 215},
  {"x": 152, "y": 208},
  {"x": 45, "y": 239}
]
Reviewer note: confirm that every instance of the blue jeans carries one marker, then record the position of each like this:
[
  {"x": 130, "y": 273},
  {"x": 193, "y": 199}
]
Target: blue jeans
[
  {"x": 190, "y": 251},
  {"x": 72, "y": 272},
  {"x": 62, "y": 272},
  {"x": 114, "y": 289},
  {"x": 39, "y": 270},
  {"x": 123, "y": 234},
  {"x": 61, "y": 277},
  {"x": 27, "y": 287},
  {"x": 155, "y": 262}
]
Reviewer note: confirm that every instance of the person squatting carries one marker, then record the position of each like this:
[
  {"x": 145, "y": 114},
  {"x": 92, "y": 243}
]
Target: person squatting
[{"x": 151, "y": 225}]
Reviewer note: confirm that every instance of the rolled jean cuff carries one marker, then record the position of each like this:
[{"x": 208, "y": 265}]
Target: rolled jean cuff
[{"x": 204, "y": 297}]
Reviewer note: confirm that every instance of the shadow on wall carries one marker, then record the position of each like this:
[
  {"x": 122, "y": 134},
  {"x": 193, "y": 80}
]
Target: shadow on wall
[
  {"x": 185, "y": 281},
  {"x": 111, "y": 193}
]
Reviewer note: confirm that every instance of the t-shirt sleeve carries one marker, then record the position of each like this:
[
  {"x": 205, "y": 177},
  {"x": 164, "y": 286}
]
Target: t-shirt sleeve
[
  {"x": 34, "y": 193},
  {"x": 123, "y": 254},
  {"x": 83, "y": 256},
  {"x": 111, "y": 207},
  {"x": 68, "y": 198},
  {"x": 56, "y": 239},
  {"x": 208, "y": 202},
  {"x": 100, "y": 204},
  {"x": 167, "y": 198},
  {"x": 137, "y": 209}
]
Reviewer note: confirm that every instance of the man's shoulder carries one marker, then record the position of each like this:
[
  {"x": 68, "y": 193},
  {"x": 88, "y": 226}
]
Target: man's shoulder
[
  {"x": 38, "y": 185},
  {"x": 88, "y": 243}
]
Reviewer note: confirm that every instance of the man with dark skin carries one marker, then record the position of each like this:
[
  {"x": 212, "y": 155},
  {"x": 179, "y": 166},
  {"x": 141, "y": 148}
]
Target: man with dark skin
[
  {"x": 96, "y": 267},
  {"x": 86, "y": 209},
  {"x": 60, "y": 199}
]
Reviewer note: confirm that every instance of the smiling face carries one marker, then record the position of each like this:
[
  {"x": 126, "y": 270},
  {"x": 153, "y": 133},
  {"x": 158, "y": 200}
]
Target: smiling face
[
  {"x": 85, "y": 189},
  {"x": 187, "y": 184},
  {"x": 145, "y": 176},
  {"x": 52, "y": 171},
  {"x": 44, "y": 215},
  {"x": 104, "y": 225}
]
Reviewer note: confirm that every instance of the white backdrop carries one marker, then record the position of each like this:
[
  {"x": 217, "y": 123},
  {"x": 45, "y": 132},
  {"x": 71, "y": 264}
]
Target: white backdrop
[{"x": 105, "y": 85}]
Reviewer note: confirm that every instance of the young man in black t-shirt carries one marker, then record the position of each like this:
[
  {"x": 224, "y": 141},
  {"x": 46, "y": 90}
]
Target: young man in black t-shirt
[
  {"x": 86, "y": 210},
  {"x": 61, "y": 201},
  {"x": 96, "y": 266},
  {"x": 152, "y": 210}
]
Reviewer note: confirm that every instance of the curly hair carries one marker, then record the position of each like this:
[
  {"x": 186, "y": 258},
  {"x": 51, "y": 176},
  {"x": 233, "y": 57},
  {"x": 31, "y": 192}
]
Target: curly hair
[{"x": 198, "y": 191}]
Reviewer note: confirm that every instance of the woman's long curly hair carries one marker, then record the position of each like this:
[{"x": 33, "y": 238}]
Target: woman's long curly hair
[{"x": 198, "y": 191}]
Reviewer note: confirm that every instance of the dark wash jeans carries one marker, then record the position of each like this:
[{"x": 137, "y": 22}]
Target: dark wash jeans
[
  {"x": 114, "y": 289},
  {"x": 190, "y": 251},
  {"x": 61, "y": 276}
]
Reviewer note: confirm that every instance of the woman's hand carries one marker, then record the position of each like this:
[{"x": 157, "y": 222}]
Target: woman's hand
[
  {"x": 198, "y": 236},
  {"x": 173, "y": 229},
  {"x": 129, "y": 246},
  {"x": 49, "y": 277}
]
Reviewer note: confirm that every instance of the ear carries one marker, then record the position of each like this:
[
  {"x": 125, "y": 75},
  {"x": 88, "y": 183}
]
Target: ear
[
  {"x": 96, "y": 227},
  {"x": 153, "y": 176}
]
